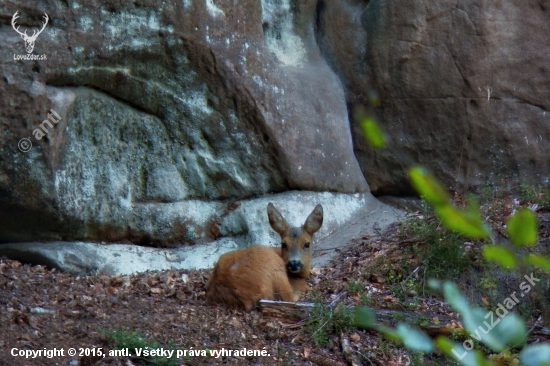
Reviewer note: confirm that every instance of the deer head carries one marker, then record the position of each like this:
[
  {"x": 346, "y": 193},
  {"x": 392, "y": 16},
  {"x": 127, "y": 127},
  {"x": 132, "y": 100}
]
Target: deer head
[
  {"x": 296, "y": 249},
  {"x": 29, "y": 40}
]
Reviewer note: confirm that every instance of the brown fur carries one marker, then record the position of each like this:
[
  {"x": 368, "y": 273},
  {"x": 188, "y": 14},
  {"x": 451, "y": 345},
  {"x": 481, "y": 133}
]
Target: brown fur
[{"x": 242, "y": 277}]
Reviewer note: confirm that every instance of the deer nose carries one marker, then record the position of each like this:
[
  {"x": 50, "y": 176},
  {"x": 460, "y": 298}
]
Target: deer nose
[{"x": 294, "y": 266}]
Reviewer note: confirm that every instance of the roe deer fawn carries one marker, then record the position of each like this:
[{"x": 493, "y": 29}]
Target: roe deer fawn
[{"x": 242, "y": 277}]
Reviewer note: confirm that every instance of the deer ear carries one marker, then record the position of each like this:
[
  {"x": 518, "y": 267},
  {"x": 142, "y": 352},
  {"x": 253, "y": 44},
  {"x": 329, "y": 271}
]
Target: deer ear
[
  {"x": 314, "y": 220},
  {"x": 276, "y": 220}
]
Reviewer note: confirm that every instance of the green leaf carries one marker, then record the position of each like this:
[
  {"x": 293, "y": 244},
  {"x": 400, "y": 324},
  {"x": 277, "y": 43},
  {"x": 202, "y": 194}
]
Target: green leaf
[
  {"x": 536, "y": 355},
  {"x": 466, "y": 222},
  {"x": 501, "y": 255},
  {"x": 474, "y": 320},
  {"x": 538, "y": 261},
  {"x": 373, "y": 133},
  {"x": 435, "y": 284},
  {"x": 457, "y": 351},
  {"x": 414, "y": 339},
  {"x": 511, "y": 330},
  {"x": 428, "y": 186},
  {"x": 445, "y": 344},
  {"x": 364, "y": 317},
  {"x": 523, "y": 228},
  {"x": 496, "y": 329},
  {"x": 374, "y": 99},
  {"x": 388, "y": 332},
  {"x": 454, "y": 297}
]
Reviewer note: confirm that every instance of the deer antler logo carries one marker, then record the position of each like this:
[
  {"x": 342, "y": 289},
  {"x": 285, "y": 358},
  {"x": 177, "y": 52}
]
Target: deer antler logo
[{"x": 29, "y": 40}]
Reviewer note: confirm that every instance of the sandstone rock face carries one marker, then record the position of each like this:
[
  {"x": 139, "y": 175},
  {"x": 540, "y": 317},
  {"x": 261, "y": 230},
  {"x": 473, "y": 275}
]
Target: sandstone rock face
[
  {"x": 465, "y": 86},
  {"x": 159, "y": 107},
  {"x": 346, "y": 216},
  {"x": 147, "y": 118}
]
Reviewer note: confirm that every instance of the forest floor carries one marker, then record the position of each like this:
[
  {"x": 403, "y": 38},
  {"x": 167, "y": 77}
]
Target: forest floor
[{"x": 43, "y": 310}]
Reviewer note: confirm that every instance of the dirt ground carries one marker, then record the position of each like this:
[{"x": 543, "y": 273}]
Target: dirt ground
[{"x": 42, "y": 309}]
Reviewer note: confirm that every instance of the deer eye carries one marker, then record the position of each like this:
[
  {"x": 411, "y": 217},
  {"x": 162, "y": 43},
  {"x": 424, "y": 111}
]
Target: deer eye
[
  {"x": 283, "y": 245},
  {"x": 306, "y": 244}
]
